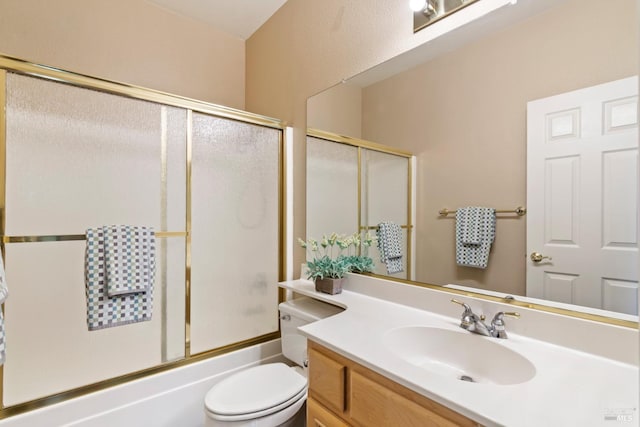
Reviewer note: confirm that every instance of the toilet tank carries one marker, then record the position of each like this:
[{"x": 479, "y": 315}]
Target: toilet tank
[{"x": 295, "y": 313}]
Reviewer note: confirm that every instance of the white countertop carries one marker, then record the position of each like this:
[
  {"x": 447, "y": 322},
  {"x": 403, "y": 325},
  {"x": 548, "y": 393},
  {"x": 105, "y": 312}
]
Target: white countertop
[{"x": 570, "y": 387}]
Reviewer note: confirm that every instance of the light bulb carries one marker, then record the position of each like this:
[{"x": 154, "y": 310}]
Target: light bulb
[{"x": 417, "y": 5}]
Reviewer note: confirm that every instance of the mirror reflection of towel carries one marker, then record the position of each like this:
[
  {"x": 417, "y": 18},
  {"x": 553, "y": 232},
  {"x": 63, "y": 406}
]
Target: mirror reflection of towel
[
  {"x": 475, "y": 232},
  {"x": 390, "y": 247}
]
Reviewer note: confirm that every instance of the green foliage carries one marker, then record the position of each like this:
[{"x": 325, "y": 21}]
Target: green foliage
[
  {"x": 360, "y": 264},
  {"x": 325, "y": 267},
  {"x": 328, "y": 264}
]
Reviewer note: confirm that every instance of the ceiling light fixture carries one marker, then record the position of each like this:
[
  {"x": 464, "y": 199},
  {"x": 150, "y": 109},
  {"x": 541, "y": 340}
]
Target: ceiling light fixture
[
  {"x": 428, "y": 7},
  {"x": 417, "y": 5}
]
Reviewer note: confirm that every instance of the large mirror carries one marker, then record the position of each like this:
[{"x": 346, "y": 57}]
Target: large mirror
[{"x": 460, "y": 103}]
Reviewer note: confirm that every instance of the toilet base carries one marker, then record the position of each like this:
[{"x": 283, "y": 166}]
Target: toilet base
[{"x": 299, "y": 419}]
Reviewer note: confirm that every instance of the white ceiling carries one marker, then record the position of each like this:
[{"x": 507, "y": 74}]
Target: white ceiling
[{"x": 240, "y": 18}]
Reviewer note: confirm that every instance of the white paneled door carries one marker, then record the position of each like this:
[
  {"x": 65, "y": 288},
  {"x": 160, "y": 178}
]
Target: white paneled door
[{"x": 582, "y": 196}]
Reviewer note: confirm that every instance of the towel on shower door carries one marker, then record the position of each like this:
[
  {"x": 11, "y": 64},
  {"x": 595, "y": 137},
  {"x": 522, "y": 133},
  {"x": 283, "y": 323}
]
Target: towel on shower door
[
  {"x": 4, "y": 293},
  {"x": 104, "y": 311},
  {"x": 389, "y": 246},
  {"x": 475, "y": 231},
  {"x": 128, "y": 258}
]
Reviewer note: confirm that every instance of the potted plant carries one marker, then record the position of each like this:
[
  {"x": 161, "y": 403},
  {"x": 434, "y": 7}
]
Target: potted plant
[
  {"x": 332, "y": 258},
  {"x": 360, "y": 263}
]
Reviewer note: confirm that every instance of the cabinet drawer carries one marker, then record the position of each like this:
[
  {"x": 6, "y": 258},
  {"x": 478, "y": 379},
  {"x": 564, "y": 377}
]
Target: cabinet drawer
[
  {"x": 375, "y": 405},
  {"x": 327, "y": 381},
  {"x": 319, "y": 416}
]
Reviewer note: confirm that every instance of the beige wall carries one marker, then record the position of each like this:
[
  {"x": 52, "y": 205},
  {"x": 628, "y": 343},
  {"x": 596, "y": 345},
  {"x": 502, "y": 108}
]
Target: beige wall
[
  {"x": 308, "y": 46},
  {"x": 131, "y": 41},
  {"x": 338, "y": 110},
  {"x": 304, "y": 48},
  {"x": 345, "y": 37},
  {"x": 464, "y": 116}
]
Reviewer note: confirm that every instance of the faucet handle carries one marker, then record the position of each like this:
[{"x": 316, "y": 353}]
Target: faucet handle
[
  {"x": 497, "y": 324},
  {"x": 469, "y": 318},
  {"x": 500, "y": 314},
  {"x": 466, "y": 306},
  {"x": 467, "y": 309}
]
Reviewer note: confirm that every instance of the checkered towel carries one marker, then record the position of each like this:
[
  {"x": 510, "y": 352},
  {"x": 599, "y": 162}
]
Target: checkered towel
[
  {"x": 475, "y": 231},
  {"x": 389, "y": 246},
  {"x": 128, "y": 258},
  {"x": 104, "y": 311}
]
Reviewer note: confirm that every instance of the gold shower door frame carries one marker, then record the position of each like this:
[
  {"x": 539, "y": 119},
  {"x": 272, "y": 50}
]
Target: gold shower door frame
[
  {"x": 9, "y": 64},
  {"x": 361, "y": 144}
]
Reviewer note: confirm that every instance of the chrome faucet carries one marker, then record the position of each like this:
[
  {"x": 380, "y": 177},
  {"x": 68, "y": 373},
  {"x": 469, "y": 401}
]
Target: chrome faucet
[{"x": 474, "y": 323}]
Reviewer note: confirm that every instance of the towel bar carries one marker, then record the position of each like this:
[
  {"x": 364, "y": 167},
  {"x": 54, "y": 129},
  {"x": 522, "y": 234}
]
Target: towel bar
[
  {"x": 375, "y": 227},
  {"x": 70, "y": 237},
  {"x": 520, "y": 211}
]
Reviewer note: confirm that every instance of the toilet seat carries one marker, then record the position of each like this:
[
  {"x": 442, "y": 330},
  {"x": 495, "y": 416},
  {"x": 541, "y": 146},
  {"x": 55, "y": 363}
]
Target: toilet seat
[{"x": 255, "y": 392}]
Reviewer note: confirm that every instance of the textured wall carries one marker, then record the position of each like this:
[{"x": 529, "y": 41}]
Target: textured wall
[
  {"x": 131, "y": 41},
  {"x": 338, "y": 110},
  {"x": 464, "y": 116},
  {"x": 308, "y": 46}
]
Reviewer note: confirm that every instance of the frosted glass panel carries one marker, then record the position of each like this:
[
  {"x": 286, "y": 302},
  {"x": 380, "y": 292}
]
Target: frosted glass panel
[
  {"x": 332, "y": 188},
  {"x": 384, "y": 197},
  {"x": 235, "y": 232},
  {"x": 332, "y": 193},
  {"x": 385, "y": 186},
  {"x": 173, "y": 203},
  {"x": 170, "y": 297},
  {"x": 78, "y": 158},
  {"x": 49, "y": 348},
  {"x": 171, "y": 276}
]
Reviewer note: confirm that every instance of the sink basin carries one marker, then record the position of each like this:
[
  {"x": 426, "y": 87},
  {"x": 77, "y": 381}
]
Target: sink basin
[{"x": 459, "y": 355}]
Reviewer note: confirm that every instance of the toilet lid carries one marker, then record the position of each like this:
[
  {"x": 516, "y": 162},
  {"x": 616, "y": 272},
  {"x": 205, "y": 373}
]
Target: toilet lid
[{"x": 255, "y": 389}]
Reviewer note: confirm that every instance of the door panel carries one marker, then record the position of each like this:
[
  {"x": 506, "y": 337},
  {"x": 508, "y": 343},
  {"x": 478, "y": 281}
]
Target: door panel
[{"x": 582, "y": 186}]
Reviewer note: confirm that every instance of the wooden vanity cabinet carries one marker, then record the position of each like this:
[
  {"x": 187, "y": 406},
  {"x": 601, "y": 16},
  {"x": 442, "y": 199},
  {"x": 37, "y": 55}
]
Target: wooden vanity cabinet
[{"x": 344, "y": 393}]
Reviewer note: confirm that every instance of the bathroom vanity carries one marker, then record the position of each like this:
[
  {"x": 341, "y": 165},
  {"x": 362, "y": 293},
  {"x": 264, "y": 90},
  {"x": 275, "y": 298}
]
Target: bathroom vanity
[
  {"x": 397, "y": 356},
  {"x": 362, "y": 397}
]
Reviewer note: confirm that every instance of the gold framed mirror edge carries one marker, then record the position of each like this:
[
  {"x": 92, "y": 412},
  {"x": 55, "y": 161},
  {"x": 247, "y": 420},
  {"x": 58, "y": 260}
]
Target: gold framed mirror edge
[
  {"x": 515, "y": 302},
  {"x": 356, "y": 142},
  {"x": 21, "y": 66},
  {"x": 602, "y": 316}
]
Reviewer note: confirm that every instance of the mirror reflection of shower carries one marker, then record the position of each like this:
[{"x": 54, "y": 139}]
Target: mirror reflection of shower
[{"x": 355, "y": 185}]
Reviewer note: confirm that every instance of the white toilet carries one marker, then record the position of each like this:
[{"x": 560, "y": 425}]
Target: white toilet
[{"x": 271, "y": 395}]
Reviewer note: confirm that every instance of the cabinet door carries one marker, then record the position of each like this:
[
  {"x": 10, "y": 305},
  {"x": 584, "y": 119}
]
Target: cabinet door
[
  {"x": 319, "y": 416},
  {"x": 327, "y": 381},
  {"x": 342, "y": 392},
  {"x": 373, "y": 404}
]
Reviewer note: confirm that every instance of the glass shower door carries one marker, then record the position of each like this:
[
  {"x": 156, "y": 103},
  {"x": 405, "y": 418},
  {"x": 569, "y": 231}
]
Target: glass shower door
[
  {"x": 235, "y": 232},
  {"x": 385, "y": 198},
  {"x": 76, "y": 159}
]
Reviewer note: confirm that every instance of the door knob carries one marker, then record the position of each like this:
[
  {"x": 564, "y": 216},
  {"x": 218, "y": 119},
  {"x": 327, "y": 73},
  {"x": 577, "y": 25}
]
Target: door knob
[{"x": 537, "y": 257}]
